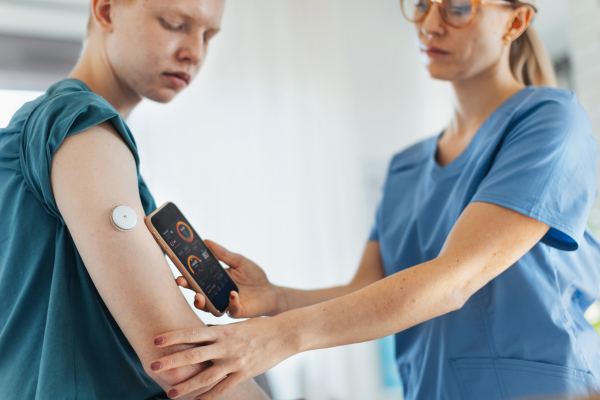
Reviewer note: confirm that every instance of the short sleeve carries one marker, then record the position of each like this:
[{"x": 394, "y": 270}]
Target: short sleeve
[
  {"x": 546, "y": 169},
  {"x": 374, "y": 234},
  {"x": 54, "y": 119}
]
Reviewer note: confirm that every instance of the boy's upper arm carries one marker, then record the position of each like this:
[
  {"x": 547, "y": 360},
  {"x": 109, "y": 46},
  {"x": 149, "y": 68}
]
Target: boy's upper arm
[{"x": 93, "y": 172}]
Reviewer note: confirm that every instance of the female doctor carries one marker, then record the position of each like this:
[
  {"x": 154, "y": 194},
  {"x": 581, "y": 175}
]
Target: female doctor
[{"x": 479, "y": 260}]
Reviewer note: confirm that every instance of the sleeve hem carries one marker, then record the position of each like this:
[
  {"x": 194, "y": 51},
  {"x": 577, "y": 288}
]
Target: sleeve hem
[
  {"x": 528, "y": 210},
  {"x": 373, "y": 236},
  {"x": 53, "y": 131}
]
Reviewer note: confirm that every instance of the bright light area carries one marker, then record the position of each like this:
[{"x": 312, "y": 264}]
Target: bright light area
[
  {"x": 593, "y": 313},
  {"x": 11, "y": 101}
]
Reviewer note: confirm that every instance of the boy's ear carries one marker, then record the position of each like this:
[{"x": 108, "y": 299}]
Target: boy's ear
[{"x": 101, "y": 14}]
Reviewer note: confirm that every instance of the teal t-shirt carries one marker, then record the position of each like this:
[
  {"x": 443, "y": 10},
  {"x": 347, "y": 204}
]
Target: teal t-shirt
[{"x": 57, "y": 338}]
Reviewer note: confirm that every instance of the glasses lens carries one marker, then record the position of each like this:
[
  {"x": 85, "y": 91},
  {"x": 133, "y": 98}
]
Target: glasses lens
[
  {"x": 414, "y": 10},
  {"x": 457, "y": 13}
]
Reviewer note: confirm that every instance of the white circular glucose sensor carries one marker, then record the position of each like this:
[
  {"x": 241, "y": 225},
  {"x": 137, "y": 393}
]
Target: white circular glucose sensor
[{"x": 123, "y": 218}]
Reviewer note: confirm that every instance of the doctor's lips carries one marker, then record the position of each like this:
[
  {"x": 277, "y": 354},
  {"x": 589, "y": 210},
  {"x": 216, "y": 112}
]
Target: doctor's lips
[
  {"x": 434, "y": 52},
  {"x": 178, "y": 79}
]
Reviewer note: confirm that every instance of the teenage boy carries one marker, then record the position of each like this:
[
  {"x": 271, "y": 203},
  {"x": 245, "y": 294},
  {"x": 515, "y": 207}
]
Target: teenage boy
[{"x": 82, "y": 302}]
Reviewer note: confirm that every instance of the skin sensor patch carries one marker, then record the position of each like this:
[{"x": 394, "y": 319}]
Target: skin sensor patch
[{"x": 123, "y": 218}]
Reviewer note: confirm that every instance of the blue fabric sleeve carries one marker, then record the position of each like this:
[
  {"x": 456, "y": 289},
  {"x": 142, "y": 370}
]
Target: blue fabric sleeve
[
  {"x": 546, "y": 169},
  {"x": 49, "y": 124},
  {"x": 374, "y": 234}
]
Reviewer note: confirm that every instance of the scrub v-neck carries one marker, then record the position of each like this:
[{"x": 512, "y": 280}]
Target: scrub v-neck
[{"x": 455, "y": 166}]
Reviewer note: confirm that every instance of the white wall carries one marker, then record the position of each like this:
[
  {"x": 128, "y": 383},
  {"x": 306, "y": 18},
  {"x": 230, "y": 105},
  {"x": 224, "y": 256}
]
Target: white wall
[
  {"x": 585, "y": 57},
  {"x": 50, "y": 19}
]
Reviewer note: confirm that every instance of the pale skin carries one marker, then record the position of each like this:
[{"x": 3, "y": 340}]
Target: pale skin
[
  {"x": 132, "y": 53},
  {"x": 485, "y": 241}
]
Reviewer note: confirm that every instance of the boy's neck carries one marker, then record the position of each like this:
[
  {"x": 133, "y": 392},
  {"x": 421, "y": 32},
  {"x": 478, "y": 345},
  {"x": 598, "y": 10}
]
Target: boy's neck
[{"x": 94, "y": 69}]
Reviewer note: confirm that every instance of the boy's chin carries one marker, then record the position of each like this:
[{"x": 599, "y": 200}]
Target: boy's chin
[{"x": 163, "y": 96}]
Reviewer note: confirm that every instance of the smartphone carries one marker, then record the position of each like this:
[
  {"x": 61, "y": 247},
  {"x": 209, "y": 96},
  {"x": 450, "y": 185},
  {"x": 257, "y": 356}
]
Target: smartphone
[{"x": 182, "y": 244}]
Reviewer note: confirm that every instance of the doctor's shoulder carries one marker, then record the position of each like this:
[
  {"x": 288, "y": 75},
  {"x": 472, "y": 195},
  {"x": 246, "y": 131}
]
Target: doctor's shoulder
[
  {"x": 413, "y": 156},
  {"x": 552, "y": 122},
  {"x": 552, "y": 111}
]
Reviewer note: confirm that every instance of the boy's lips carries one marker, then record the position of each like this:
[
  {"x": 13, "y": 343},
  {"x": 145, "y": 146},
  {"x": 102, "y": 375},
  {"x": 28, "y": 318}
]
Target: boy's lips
[{"x": 178, "y": 79}]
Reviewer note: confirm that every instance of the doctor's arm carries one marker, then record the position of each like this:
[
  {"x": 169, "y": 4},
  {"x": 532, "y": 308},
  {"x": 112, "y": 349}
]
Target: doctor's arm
[
  {"x": 485, "y": 241},
  {"x": 370, "y": 270},
  {"x": 259, "y": 297},
  {"x": 93, "y": 172}
]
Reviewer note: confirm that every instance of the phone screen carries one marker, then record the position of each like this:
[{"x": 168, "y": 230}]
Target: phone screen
[{"x": 189, "y": 248}]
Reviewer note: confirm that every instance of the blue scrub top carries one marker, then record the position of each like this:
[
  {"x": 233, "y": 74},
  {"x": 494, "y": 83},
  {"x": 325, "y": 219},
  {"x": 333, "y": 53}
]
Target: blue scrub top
[
  {"x": 57, "y": 338},
  {"x": 524, "y": 333}
]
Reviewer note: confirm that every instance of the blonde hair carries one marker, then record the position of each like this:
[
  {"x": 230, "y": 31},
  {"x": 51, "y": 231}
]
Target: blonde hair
[{"x": 530, "y": 62}]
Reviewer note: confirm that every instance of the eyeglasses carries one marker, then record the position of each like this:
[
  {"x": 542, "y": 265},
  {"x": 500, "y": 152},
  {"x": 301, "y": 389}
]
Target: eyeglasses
[{"x": 456, "y": 13}]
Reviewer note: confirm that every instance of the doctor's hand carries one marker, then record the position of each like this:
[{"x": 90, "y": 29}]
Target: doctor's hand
[
  {"x": 238, "y": 352},
  {"x": 257, "y": 297}
]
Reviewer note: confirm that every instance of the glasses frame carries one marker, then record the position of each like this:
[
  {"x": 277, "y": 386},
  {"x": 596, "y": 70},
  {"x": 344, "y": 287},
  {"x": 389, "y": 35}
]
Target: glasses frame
[{"x": 474, "y": 5}]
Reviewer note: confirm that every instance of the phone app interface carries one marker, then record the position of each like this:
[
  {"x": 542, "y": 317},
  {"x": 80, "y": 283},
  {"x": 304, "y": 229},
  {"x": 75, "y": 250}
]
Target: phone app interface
[{"x": 192, "y": 252}]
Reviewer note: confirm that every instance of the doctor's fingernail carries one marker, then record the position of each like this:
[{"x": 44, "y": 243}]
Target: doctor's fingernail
[
  {"x": 158, "y": 341},
  {"x": 156, "y": 365},
  {"x": 172, "y": 393}
]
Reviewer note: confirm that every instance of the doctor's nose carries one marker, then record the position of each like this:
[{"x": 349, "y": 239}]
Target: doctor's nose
[{"x": 433, "y": 23}]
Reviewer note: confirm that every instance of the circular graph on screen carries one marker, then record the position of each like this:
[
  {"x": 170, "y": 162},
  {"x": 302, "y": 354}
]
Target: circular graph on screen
[
  {"x": 196, "y": 267},
  {"x": 185, "y": 231}
]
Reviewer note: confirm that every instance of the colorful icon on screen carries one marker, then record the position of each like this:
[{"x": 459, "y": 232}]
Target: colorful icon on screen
[
  {"x": 185, "y": 231},
  {"x": 196, "y": 267}
]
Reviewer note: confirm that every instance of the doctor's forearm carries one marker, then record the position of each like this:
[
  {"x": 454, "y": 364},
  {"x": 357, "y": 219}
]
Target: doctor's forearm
[
  {"x": 386, "y": 307},
  {"x": 296, "y": 298},
  {"x": 472, "y": 256},
  {"x": 369, "y": 271}
]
